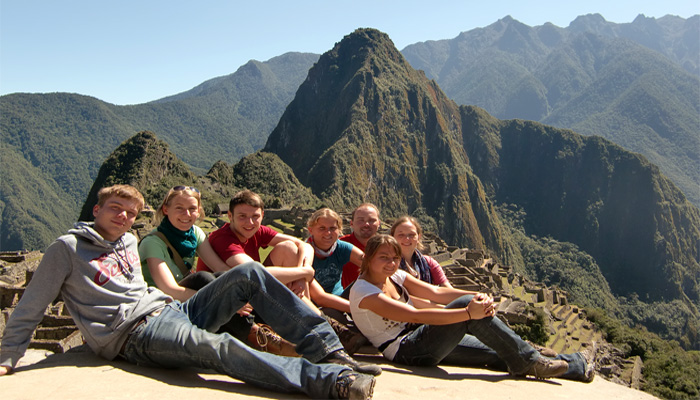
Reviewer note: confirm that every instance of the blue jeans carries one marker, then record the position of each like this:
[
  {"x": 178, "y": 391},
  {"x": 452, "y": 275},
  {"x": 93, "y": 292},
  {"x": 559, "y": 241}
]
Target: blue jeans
[
  {"x": 486, "y": 342},
  {"x": 181, "y": 336}
]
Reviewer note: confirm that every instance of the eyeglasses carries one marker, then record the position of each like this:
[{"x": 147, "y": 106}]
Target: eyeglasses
[{"x": 180, "y": 187}]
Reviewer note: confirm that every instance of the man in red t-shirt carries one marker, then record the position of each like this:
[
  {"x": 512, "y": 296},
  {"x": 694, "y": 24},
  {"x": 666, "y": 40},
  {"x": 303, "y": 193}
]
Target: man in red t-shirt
[
  {"x": 364, "y": 223},
  {"x": 240, "y": 241}
]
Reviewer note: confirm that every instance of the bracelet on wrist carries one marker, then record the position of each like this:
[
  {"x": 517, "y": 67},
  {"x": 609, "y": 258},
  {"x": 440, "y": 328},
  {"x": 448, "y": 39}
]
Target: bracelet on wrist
[{"x": 468, "y": 313}]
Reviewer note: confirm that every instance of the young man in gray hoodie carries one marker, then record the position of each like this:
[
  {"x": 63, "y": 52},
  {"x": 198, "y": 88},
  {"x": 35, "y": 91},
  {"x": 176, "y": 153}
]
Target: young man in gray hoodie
[{"x": 96, "y": 269}]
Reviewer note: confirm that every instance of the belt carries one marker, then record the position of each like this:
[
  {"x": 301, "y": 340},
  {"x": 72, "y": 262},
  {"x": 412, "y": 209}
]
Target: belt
[{"x": 140, "y": 322}]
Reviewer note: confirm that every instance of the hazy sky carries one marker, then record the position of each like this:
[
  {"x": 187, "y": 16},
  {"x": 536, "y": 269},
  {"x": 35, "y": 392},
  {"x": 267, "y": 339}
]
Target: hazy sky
[{"x": 131, "y": 52}]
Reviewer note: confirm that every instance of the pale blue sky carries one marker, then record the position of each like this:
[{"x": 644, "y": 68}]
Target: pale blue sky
[{"x": 131, "y": 52}]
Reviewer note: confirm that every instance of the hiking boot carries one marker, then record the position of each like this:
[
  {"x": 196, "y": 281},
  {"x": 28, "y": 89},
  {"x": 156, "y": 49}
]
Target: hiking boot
[
  {"x": 589, "y": 354},
  {"x": 352, "y": 341},
  {"x": 545, "y": 368},
  {"x": 340, "y": 357},
  {"x": 263, "y": 338},
  {"x": 351, "y": 385},
  {"x": 545, "y": 351}
]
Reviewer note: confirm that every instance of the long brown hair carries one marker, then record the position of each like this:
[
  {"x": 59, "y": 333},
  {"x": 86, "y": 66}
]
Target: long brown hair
[
  {"x": 373, "y": 245},
  {"x": 414, "y": 222}
]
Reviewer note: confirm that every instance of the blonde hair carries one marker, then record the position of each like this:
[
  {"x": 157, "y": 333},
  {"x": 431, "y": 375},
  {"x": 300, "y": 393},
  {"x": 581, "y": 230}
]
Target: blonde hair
[
  {"x": 412, "y": 221},
  {"x": 373, "y": 245},
  {"x": 177, "y": 191},
  {"x": 123, "y": 191},
  {"x": 324, "y": 212}
]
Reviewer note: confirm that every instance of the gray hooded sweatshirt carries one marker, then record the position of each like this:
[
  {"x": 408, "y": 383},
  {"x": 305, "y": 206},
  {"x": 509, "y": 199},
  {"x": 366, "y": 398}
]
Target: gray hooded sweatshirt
[{"x": 101, "y": 285}]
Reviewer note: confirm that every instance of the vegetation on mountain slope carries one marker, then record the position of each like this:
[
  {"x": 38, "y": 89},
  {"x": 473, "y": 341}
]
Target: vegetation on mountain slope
[
  {"x": 387, "y": 135},
  {"x": 669, "y": 371},
  {"x": 636, "y": 84},
  {"x": 48, "y": 211},
  {"x": 383, "y": 133},
  {"x": 65, "y": 137}
]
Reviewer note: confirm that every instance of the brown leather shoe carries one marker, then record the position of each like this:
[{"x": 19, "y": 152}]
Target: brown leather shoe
[
  {"x": 263, "y": 338},
  {"x": 545, "y": 368},
  {"x": 351, "y": 340}
]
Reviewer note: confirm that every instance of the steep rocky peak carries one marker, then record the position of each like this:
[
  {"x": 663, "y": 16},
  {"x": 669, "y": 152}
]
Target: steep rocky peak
[
  {"x": 364, "y": 80},
  {"x": 140, "y": 161},
  {"x": 366, "y": 126}
]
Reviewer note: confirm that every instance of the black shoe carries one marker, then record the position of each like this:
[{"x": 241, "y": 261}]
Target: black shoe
[
  {"x": 351, "y": 385},
  {"x": 340, "y": 357}
]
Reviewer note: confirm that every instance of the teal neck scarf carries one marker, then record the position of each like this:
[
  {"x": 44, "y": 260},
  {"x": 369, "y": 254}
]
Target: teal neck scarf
[{"x": 185, "y": 242}]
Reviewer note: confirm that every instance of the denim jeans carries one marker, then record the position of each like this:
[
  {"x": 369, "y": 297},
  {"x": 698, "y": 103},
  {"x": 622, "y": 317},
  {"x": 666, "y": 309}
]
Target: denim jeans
[
  {"x": 237, "y": 326},
  {"x": 181, "y": 336},
  {"x": 486, "y": 342}
]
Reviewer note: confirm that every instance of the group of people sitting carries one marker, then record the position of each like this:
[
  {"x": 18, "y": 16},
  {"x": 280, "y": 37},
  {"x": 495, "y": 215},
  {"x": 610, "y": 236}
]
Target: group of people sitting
[{"x": 179, "y": 298}]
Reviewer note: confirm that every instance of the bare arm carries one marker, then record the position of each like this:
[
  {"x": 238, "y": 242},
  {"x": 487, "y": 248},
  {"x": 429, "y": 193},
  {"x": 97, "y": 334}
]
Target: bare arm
[
  {"x": 389, "y": 308},
  {"x": 437, "y": 294},
  {"x": 165, "y": 281},
  {"x": 446, "y": 284},
  {"x": 423, "y": 303},
  {"x": 356, "y": 256},
  {"x": 437, "y": 272},
  {"x": 209, "y": 256},
  {"x": 323, "y": 299},
  {"x": 283, "y": 274},
  {"x": 291, "y": 274}
]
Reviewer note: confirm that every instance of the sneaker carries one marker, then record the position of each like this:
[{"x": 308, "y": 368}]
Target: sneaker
[
  {"x": 340, "y": 357},
  {"x": 545, "y": 351},
  {"x": 352, "y": 341},
  {"x": 589, "y": 354},
  {"x": 545, "y": 368},
  {"x": 262, "y": 337},
  {"x": 351, "y": 385}
]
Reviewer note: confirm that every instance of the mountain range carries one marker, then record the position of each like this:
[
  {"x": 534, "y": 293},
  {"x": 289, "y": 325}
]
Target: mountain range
[
  {"x": 58, "y": 140},
  {"x": 635, "y": 84},
  {"x": 385, "y": 132}
]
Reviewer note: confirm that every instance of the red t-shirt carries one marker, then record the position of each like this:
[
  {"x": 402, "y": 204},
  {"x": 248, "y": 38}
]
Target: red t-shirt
[
  {"x": 226, "y": 244},
  {"x": 350, "y": 270}
]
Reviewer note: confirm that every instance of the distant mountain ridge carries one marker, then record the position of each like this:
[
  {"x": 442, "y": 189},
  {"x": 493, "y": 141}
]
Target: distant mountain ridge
[{"x": 636, "y": 84}]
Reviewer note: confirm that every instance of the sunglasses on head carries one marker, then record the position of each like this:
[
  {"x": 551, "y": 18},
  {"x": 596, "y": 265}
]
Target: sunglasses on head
[{"x": 180, "y": 187}]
